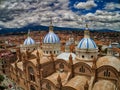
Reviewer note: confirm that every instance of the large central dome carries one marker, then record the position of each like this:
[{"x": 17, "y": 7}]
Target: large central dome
[
  {"x": 51, "y": 37},
  {"x": 87, "y": 42},
  {"x": 51, "y": 42},
  {"x": 87, "y": 45}
]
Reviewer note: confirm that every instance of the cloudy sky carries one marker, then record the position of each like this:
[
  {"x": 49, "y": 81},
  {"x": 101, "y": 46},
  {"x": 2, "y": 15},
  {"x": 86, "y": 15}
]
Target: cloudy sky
[{"x": 99, "y": 14}]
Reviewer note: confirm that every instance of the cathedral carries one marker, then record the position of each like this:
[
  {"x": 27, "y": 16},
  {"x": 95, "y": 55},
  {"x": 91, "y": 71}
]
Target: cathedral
[{"x": 47, "y": 66}]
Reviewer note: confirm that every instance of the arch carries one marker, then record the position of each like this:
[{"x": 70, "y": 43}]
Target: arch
[
  {"x": 106, "y": 71},
  {"x": 29, "y": 64},
  {"x": 46, "y": 81},
  {"x": 61, "y": 65},
  {"x": 62, "y": 61},
  {"x": 82, "y": 67}
]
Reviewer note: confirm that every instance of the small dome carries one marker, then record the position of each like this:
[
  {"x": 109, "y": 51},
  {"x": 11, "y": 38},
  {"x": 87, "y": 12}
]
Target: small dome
[
  {"x": 29, "y": 41},
  {"x": 65, "y": 56},
  {"x": 87, "y": 43},
  {"x": 68, "y": 43},
  {"x": 51, "y": 37},
  {"x": 110, "y": 46},
  {"x": 108, "y": 60}
]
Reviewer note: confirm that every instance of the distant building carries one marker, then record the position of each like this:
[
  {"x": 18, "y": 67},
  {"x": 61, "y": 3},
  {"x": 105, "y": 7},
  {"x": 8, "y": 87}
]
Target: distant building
[{"x": 115, "y": 45}]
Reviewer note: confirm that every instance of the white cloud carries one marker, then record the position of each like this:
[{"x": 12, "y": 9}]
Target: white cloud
[
  {"x": 105, "y": 20},
  {"x": 62, "y": 15},
  {"x": 85, "y": 5},
  {"x": 112, "y": 6}
]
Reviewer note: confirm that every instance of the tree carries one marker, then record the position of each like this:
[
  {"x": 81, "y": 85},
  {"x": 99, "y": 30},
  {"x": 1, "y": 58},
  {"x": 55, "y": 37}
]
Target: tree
[
  {"x": 3, "y": 87},
  {"x": 1, "y": 78}
]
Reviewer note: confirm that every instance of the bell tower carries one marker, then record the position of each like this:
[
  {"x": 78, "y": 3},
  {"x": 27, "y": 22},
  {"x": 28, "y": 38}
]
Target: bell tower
[
  {"x": 87, "y": 32},
  {"x": 51, "y": 25}
]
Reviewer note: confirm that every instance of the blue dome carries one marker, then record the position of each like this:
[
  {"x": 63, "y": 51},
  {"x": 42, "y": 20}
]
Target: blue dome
[
  {"x": 51, "y": 37},
  {"x": 87, "y": 43},
  {"x": 110, "y": 46},
  {"x": 29, "y": 41}
]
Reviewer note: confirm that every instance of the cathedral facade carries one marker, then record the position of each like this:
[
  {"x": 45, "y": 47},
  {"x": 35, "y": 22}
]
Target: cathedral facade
[{"x": 47, "y": 67}]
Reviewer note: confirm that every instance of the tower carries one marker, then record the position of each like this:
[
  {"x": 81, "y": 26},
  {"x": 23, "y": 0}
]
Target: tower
[
  {"x": 51, "y": 42},
  {"x": 51, "y": 26},
  {"x": 87, "y": 48}
]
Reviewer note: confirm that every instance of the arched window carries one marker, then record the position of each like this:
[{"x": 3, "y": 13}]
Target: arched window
[
  {"x": 48, "y": 86},
  {"x": 32, "y": 87},
  {"x": 61, "y": 66},
  {"x": 54, "y": 52},
  {"x": 106, "y": 73},
  {"x": 82, "y": 69},
  {"x": 31, "y": 74}
]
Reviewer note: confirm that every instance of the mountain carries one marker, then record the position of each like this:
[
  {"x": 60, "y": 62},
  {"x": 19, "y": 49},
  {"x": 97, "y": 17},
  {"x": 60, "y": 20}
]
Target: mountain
[
  {"x": 35, "y": 27},
  {"x": 32, "y": 28}
]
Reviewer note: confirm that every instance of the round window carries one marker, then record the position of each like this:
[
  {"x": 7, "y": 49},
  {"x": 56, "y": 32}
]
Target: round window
[
  {"x": 92, "y": 56},
  {"x": 82, "y": 56}
]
